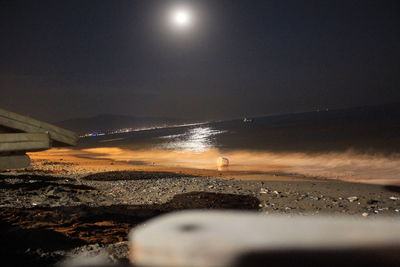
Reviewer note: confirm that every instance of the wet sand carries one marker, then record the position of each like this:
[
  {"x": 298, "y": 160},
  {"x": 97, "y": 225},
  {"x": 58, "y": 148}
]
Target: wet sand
[
  {"x": 66, "y": 205},
  {"x": 244, "y": 165},
  {"x": 81, "y": 163}
]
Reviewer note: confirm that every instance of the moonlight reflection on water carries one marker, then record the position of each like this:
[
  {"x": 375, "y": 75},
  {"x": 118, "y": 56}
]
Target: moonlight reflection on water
[{"x": 197, "y": 139}]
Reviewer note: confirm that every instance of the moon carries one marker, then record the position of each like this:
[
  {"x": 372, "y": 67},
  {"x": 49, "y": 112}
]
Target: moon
[{"x": 181, "y": 18}]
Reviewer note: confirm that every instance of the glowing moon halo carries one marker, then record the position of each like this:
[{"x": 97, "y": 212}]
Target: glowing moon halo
[{"x": 181, "y": 18}]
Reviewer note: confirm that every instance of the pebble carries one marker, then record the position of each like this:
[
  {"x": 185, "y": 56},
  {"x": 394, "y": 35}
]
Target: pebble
[
  {"x": 352, "y": 199},
  {"x": 264, "y": 191},
  {"x": 365, "y": 214}
]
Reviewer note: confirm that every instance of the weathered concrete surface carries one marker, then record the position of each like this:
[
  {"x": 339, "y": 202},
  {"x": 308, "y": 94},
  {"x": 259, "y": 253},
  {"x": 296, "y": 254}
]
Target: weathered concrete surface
[
  {"x": 5, "y": 130},
  {"x": 24, "y": 142},
  {"x": 21, "y": 123},
  {"x": 252, "y": 239},
  {"x": 14, "y": 162}
]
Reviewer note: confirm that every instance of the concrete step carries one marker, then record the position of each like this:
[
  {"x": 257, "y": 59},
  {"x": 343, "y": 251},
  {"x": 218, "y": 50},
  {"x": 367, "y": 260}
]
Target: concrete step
[
  {"x": 20, "y": 123},
  {"x": 24, "y": 142},
  {"x": 14, "y": 162}
]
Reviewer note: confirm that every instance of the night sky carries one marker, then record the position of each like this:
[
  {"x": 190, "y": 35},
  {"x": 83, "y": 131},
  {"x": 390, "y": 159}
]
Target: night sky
[{"x": 66, "y": 59}]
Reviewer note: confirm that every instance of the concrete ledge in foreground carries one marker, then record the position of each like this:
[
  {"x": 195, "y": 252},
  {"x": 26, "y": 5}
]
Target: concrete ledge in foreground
[{"x": 206, "y": 238}]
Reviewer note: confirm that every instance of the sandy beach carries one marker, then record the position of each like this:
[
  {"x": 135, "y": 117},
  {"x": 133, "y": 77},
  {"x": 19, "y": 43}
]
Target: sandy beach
[
  {"x": 346, "y": 166},
  {"x": 69, "y": 204}
]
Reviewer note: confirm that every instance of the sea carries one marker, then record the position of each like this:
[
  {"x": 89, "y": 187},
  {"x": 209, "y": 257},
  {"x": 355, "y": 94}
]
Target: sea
[{"x": 329, "y": 144}]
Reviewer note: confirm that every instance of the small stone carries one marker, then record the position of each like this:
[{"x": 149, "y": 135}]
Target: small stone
[
  {"x": 352, "y": 199},
  {"x": 365, "y": 214},
  {"x": 263, "y": 191}
]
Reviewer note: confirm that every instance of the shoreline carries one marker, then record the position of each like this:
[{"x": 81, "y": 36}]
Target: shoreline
[
  {"x": 346, "y": 167},
  {"x": 78, "y": 164}
]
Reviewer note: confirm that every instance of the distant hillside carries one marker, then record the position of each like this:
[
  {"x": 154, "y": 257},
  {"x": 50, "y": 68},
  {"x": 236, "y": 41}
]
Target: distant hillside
[
  {"x": 109, "y": 122},
  {"x": 377, "y": 115}
]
